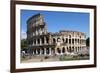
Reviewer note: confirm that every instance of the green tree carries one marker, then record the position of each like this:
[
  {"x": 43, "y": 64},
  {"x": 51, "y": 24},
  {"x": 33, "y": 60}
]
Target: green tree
[
  {"x": 88, "y": 42},
  {"x": 23, "y": 43}
]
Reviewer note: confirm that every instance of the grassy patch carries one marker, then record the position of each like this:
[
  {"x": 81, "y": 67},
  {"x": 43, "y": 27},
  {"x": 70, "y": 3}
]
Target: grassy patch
[{"x": 69, "y": 57}]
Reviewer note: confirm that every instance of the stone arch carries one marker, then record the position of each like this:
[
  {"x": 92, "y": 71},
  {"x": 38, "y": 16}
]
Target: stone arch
[
  {"x": 42, "y": 50},
  {"x": 58, "y": 50},
  {"x": 73, "y": 41},
  {"x": 34, "y": 41},
  {"x": 80, "y": 37},
  {"x": 69, "y": 41},
  {"x": 66, "y": 40},
  {"x": 54, "y": 40},
  {"x": 63, "y": 40},
  {"x": 52, "y": 50},
  {"x": 47, "y": 51},
  {"x": 72, "y": 49},
  {"x": 75, "y": 49},
  {"x": 38, "y": 51},
  {"x": 58, "y": 39},
  {"x": 34, "y": 51},
  {"x": 78, "y": 49},
  {"x": 63, "y": 50}
]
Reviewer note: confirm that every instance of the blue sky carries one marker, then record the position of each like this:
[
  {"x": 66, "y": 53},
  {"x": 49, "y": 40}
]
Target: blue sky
[{"x": 56, "y": 21}]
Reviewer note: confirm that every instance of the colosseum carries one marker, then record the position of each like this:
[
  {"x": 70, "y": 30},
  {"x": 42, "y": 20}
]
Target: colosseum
[{"x": 42, "y": 42}]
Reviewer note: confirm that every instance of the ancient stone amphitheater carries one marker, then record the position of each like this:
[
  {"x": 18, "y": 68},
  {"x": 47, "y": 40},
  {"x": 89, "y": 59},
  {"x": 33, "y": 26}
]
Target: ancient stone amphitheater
[{"x": 42, "y": 42}]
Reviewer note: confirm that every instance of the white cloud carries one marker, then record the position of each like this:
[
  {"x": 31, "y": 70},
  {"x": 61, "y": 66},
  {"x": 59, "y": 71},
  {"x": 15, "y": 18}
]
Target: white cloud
[{"x": 23, "y": 35}]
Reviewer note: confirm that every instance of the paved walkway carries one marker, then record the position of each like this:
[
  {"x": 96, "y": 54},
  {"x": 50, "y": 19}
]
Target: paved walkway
[{"x": 41, "y": 59}]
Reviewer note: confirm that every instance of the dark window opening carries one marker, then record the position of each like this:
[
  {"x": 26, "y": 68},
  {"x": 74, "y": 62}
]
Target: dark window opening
[
  {"x": 63, "y": 39},
  {"x": 47, "y": 50},
  {"x": 34, "y": 41},
  {"x": 42, "y": 40},
  {"x": 54, "y": 41},
  {"x": 47, "y": 40},
  {"x": 63, "y": 50},
  {"x": 66, "y": 40},
  {"x": 75, "y": 40},
  {"x": 69, "y": 41},
  {"x": 69, "y": 49},
  {"x": 38, "y": 41},
  {"x": 42, "y": 50},
  {"x": 58, "y": 50},
  {"x": 38, "y": 50},
  {"x": 72, "y": 41}
]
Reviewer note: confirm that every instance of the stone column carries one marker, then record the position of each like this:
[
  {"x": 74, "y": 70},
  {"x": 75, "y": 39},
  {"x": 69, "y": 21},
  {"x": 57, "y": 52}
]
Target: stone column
[
  {"x": 71, "y": 41},
  {"x": 33, "y": 52},
  {"x": 74, "y": 42},
  {"x": 37, "y": 32},
  {"x": 61, "y": 51},
  {"x": 55, "y": 50},
  {"x": 33, "y": 42},
  {"x": 77, "y": 41},
  {"x": 55, "y": 39},
  {"x": 44, "y": 40},
  {"x": 74, "y": 50},
  {"x": 43, "y": 30},
  {"x": 33, "y": 33},
  {"x": 68, "y": 41},
  {"x": 77, "y": 49},
  {"x": 49, "y": 51},
  {"x": 44, "y": 51}
]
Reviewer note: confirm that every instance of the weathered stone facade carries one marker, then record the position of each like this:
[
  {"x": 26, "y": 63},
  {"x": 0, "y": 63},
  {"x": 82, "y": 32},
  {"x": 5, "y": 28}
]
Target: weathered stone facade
[{"x": 41, "y": 42}]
